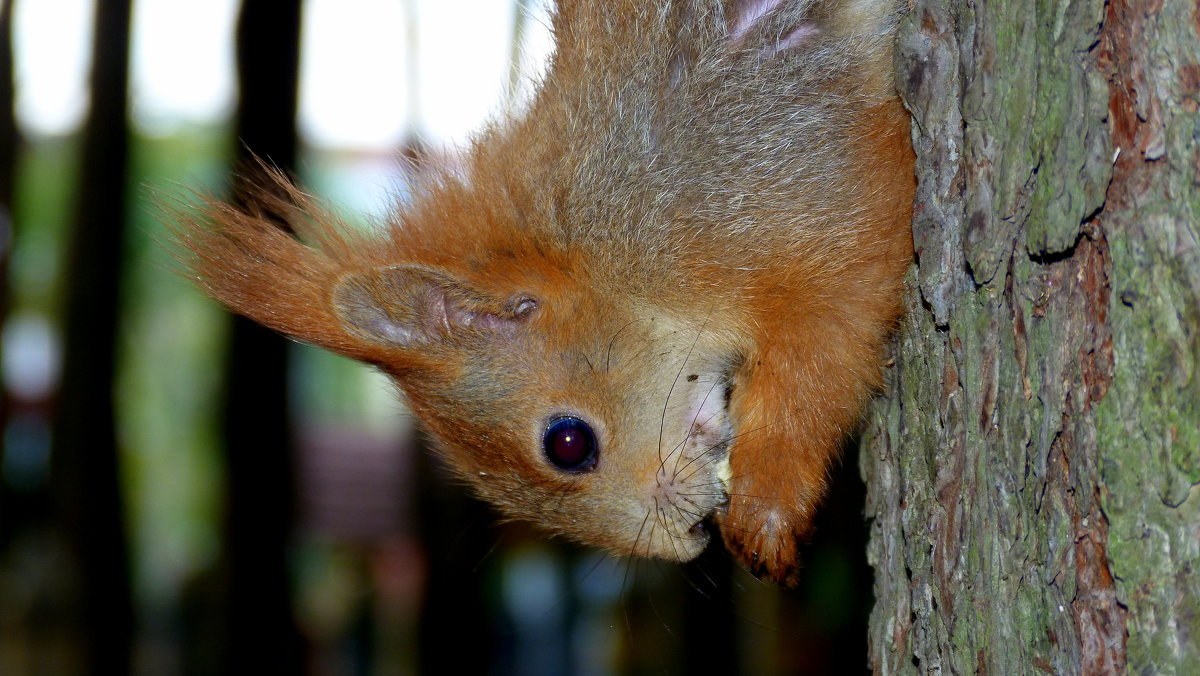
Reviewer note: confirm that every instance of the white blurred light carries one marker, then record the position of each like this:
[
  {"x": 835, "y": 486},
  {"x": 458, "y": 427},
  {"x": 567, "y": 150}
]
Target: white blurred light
[
  {"x": 537, "y": 45},
  {"x": 52, "y": 44},
  {"x": 464, "y": 55},
  {"x": 355, "y": 87},
  {"x": 355, "y": 76},
  {"x": 32, "y": 356},
  {"x": 182, "y": 62},
  {"x": 353, "y": 90}
]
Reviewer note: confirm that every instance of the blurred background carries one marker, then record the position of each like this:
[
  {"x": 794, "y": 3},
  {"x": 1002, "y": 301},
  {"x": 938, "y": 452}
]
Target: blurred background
[{"x": 184, "y": 493}]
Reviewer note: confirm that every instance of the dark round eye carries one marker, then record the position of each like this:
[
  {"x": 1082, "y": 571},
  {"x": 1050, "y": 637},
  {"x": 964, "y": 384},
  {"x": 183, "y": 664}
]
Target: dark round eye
[{"x": 570, "y": 445}]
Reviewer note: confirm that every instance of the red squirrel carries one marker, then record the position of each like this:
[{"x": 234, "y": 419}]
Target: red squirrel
[{"x": 652, "y": 305}]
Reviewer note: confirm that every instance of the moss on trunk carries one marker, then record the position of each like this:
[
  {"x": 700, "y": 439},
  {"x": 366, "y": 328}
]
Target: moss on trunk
[{"x": 1033, "y": 466}]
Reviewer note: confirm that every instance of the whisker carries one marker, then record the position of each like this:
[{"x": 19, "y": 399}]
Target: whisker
[
  {"x": 486, "y": 555},
  {"x": 701, "y": 495},
  {"x": 697, "y": 515},
  {"x": 671, "y": 537},
  {"x": 608, "y": 355},
  {"x": 712, "y": 583},
  {"x": 751, "y": 496},
  {"x": 624, "y": 580},
  {"x": 721, "y": 382},
  {"x": 667, "y": 402},
  {"x": 563, "y": 493},
  {"x": 692, "y": 429},
  {"x": 590, "y": 571},
  {"x": 640, "y": 353},
  {"x": 750, "y": 531},
  {"x": 710, "y": 456},
  {"x": 739, "y": 436},
  {"x": 715, "y": 482}
]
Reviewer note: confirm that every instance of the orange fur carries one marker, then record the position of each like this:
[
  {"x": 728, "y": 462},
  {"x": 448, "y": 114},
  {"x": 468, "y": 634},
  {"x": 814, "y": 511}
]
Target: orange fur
[
  {"x": 816, "y": 363},
  {"x": 693, "y": 241}
]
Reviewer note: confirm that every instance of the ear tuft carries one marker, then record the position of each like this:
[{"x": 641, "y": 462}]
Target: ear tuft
[{"x": 409, "y": 306}]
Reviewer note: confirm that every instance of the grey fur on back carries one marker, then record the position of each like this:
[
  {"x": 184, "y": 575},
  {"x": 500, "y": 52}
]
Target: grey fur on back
[{"x": 668, "y": 127}]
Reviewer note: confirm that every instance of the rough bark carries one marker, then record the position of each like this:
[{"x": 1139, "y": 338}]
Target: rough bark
[{"x": 1033, "y": 466}]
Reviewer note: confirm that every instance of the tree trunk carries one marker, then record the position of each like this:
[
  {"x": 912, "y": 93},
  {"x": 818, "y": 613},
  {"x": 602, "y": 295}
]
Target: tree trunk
[{"x": 1033, "y": 466}]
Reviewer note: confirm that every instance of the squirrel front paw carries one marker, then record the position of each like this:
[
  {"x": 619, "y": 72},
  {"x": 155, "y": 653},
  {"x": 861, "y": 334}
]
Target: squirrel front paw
[{"x": 764, "y": 540}]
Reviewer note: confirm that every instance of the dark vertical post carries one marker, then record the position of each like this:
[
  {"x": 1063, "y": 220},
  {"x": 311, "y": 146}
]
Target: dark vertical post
[
  {"x": 84, "y": 464},
  {"x": 709, "y": 629},
  {"x": 9, "y": 141},
  {"x": 455, "y": 531},
  {"x": 261, "y": 632}
]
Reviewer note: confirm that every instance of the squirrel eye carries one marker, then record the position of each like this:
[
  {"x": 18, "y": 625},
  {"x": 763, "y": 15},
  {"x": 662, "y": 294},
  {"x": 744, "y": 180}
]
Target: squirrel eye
[{"x": 570, "y": 445}]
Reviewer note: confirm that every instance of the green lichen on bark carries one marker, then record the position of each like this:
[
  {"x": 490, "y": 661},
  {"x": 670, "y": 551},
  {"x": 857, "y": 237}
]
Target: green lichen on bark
[
  {"x": 1033, "y": 467},
  {"x": 1149, "y": 432}
]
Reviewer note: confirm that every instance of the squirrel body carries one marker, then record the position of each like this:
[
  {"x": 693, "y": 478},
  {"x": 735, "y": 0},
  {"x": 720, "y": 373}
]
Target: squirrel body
[{"x": 684, "y": 259}]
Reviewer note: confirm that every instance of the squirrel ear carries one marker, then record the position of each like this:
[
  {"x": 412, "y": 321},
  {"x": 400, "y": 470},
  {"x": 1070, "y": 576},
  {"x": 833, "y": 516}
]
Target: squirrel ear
[{"x": 408, "y": 306}]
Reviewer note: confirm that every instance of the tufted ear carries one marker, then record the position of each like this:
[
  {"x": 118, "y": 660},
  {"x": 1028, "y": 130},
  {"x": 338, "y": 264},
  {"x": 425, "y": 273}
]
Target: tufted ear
[{"x": 409, "y": 306}]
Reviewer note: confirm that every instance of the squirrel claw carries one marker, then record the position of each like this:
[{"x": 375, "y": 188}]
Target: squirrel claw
[{"x": 767, "y": 545}]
